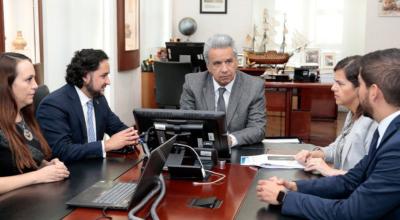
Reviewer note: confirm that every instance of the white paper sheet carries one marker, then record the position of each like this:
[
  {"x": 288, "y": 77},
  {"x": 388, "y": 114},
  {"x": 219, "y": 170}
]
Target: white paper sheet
[{"x": 271, "y": 161}]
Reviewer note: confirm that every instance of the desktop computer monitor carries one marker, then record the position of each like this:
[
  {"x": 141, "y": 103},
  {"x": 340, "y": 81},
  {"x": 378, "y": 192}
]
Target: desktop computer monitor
[
  {"x": 198, "y": 129},
  {"x": 187, "y": 52}
]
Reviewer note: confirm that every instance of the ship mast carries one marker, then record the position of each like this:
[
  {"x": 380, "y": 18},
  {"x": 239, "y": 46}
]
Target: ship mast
[{"x": 285, "y": 31}]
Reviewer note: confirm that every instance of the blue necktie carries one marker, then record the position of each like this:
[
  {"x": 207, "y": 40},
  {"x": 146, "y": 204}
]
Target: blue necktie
[
  {"x": 91, "y": 134},
  {"x": 374, "y": 142}
]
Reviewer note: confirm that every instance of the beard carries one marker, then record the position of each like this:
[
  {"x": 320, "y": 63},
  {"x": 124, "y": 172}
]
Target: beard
[
  {"x": 93, "y": 92},
  {"x": 367, "y": 109}
]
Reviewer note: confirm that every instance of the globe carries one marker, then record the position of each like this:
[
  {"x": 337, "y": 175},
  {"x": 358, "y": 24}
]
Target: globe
[{"x": 187, "y": 26}]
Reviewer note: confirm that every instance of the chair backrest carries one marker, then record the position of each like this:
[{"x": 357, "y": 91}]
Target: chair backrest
[
  {"x": 169, "y": 77},
  {"x": 41, "y": 92}
]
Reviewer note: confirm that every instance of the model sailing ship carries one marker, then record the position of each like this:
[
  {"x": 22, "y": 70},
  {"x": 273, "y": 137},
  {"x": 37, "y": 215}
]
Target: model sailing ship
[{"x": 261, "y": 50}]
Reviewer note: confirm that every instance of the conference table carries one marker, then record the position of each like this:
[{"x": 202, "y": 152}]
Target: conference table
[{"x": 237, "y": 191}]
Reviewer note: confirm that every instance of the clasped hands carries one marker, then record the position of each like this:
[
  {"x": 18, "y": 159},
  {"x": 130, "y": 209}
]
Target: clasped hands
[
  {"x": 121, "y": 139},
  {"x": 267, "y": 190},
  {"x": 311, "y": 163}
]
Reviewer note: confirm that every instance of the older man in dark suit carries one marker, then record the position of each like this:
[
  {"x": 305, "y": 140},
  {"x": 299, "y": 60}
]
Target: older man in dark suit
[
  {"x": 224, "y": 88},
  {"x": 75, "y": 117},
  {"x": 371, "y": 190}
]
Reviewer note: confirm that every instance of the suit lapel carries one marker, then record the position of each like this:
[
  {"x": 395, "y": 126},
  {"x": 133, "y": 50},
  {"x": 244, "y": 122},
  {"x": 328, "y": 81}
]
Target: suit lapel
[
  {"x": 208, "y": 94},
  {"x": 390, "y": 131},
  {"x": 76, "y": 105},
  {"x": 234, "y": 98},
  {"x": 97, "y": 113},
  {"x": 345, "y": 152}
]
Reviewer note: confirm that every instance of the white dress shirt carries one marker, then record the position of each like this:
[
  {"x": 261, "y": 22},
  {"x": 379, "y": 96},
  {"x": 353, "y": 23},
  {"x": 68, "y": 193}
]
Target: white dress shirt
[
  {"x": 227, "y": 95},
  {"x": 384, "y": 124},
  {"x": 84, "y": 99}
]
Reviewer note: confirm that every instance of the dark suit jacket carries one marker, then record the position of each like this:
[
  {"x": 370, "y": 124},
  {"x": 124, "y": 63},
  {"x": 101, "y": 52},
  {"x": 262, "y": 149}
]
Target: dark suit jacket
[
  {"x": 245, "y": 116},
  {"x": 371, "y": 190},
  {"x": 61, "y": 119}
]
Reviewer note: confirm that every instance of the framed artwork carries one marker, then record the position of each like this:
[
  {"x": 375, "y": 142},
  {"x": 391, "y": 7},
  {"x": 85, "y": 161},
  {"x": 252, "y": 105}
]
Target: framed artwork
[
  {"x": 311, "y": 55},
  {"x": 131, "y": 25},
  {"x": 128, "y": 34},
  {"x": 213, "y": 6},
  {"x": 240, "y": 60},
  {"x": 389, "y": 7},
  {"x": 328, "y": 60}
]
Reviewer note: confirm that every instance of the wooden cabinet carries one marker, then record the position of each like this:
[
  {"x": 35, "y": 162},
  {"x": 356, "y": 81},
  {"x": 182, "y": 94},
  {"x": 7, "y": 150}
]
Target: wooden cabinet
[
  {"x": 148, "y": 90},
  {"x": 298, "y": 104}
]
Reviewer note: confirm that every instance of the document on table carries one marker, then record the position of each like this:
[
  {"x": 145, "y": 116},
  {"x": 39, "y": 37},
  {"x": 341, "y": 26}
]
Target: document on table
[
  {"x": 281, "y": 141},
  {"x": 271, "y": 161}
]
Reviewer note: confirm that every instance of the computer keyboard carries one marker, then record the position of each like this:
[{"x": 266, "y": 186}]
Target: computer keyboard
[{"x": 118, "y": 193}]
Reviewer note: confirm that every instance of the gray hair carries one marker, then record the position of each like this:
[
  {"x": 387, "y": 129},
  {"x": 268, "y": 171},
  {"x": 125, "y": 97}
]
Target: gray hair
[{"x": 219, "y": 41}]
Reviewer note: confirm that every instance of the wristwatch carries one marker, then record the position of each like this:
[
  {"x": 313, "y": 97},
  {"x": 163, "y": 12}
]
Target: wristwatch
[{"x": 281, "y": 197}]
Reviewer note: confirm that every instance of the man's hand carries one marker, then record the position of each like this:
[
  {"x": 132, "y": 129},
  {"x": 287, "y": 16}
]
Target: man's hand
[
  {"x": 123, "y": 138},
  {"x": 290, "y": 185},
  {"x": 267, "y": 191}
]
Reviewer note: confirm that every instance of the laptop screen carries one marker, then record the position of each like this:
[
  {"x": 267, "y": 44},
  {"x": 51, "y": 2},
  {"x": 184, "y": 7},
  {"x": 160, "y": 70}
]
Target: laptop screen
[{"x": 153, "y": 169}]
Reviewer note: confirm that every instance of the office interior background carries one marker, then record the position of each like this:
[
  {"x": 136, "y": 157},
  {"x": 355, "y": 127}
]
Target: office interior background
[{"x": 346, "y": 27}]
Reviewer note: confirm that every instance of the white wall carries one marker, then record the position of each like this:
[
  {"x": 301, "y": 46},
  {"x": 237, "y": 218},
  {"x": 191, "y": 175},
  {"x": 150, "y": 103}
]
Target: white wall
[
  {"x": 72, "y": 25},
  {"x": 68, "y": 26},
  {"x": 236, "y": 23},
  {"x": 380, "y": 32},
  {"x": 156, "y": 25}
]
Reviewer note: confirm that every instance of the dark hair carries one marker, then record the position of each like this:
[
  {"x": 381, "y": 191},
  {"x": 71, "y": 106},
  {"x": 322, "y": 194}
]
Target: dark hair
[
  {"x": 350, "y": 66},
  {"x": 9, "y": 110},
  {"x": 84, "y": 61},
  {"x": 382, "y": 68}
]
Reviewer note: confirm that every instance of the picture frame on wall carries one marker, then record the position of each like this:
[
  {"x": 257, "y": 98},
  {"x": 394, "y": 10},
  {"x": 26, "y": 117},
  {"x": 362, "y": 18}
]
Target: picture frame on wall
[
  {"x": 213, "y": 6},
  {"x": 128, "y": 34},
  {"x": 389, "y": 8},
  {"x": 328, "y": 60},
  {"x": 131, "y": 25},
  {"x": 311, "y": 56}
]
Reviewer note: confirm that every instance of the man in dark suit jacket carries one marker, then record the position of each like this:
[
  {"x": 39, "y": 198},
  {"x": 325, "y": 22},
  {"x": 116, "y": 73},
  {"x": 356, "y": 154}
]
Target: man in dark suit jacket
[
  {"x": 75, "y": 117},
  {"x": 371, "y": 190},
  {"x": 242, "y": 97}
]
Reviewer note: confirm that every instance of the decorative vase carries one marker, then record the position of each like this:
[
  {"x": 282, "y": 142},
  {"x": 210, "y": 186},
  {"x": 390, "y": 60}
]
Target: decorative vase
[{"x": 19, "y": 42}]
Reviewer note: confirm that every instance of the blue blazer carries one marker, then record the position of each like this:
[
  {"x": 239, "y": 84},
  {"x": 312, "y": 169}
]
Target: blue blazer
[
  {"x": 62, "y": 122},
  {"x": 371, "y": 190}
]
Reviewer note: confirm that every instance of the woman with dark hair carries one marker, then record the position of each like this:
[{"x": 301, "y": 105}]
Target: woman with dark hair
[
  {"x": 23, "y": 150},
  {"x": 353, "y": 142}
]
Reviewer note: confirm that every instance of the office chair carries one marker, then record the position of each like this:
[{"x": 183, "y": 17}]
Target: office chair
[
  {"x": 41, "y": 92},
  {"x": 169, "y": 77}
]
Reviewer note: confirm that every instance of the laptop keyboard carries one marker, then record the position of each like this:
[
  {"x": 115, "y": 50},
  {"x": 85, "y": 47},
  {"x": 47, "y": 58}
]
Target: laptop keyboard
[{"x": 117, "y": 194}]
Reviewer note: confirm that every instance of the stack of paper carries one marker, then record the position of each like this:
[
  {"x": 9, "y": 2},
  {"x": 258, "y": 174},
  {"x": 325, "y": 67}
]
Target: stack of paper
[
  {"x": 271, "y": 161},
  {"x": 281, "y": 141}
]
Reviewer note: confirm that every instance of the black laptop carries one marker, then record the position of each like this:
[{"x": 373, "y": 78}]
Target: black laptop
[{"x": 121, "y": 195}]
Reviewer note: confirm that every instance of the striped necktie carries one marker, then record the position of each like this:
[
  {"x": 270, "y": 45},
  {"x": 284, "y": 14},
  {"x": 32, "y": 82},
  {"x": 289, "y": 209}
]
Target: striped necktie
[{"x": 91, "y": 134}]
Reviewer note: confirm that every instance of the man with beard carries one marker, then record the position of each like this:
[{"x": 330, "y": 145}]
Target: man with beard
[
  {"x": 371, "y": 190},
  {"x": 75, "y": 117}
]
